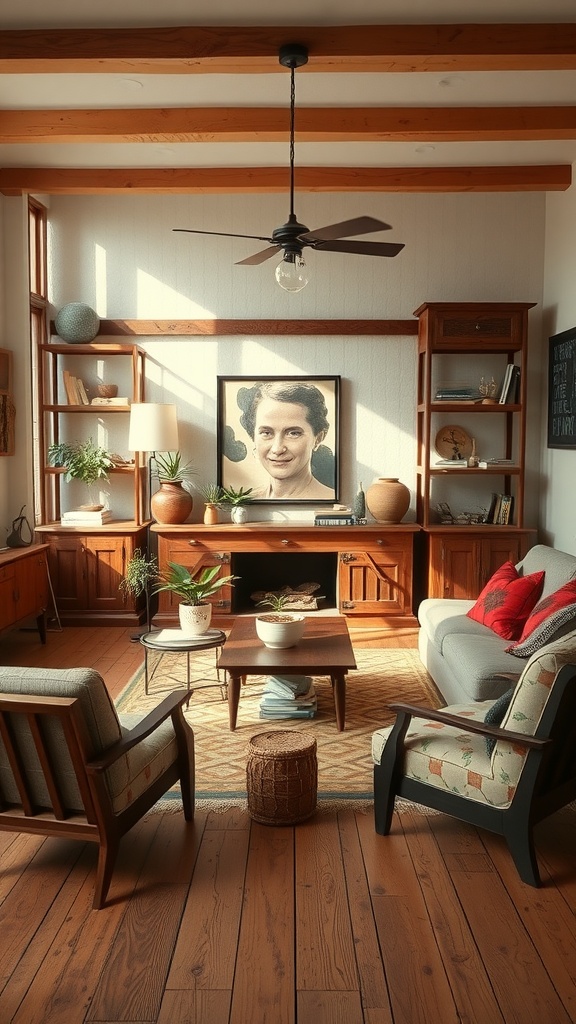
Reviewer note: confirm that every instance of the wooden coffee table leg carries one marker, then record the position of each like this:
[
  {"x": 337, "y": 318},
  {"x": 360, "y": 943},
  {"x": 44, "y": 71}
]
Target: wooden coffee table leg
[
  {"x": 338, "y": 681},
  {"x": 234, "y": 696}
]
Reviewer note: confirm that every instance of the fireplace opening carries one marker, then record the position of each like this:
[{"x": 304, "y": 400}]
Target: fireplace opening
[{"x": 260, "y": 571}]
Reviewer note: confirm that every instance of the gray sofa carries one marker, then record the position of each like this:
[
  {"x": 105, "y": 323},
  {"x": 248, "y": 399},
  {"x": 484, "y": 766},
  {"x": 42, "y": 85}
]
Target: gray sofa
[{"x": 467, "y": 660}]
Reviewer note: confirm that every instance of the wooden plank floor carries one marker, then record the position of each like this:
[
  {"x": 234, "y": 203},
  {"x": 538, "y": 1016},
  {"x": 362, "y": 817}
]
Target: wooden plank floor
[{"x": 225, "y": 921}]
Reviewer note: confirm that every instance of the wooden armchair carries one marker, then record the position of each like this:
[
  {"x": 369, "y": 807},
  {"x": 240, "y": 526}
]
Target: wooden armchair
[
  {"x": 525, "y": 772},
  {"x": 68, "y": 768}
]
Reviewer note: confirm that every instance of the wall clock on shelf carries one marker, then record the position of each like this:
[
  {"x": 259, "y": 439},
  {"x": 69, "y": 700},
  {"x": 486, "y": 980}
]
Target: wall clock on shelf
[{"x": 452, "y": 442}]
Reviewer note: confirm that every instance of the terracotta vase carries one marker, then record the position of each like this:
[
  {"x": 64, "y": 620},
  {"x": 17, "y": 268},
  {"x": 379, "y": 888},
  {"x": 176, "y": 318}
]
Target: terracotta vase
[
  {"x": 211, "y": 514},
  {"x": 388, "y": 500},
  {"x": 171, "y": 503}
]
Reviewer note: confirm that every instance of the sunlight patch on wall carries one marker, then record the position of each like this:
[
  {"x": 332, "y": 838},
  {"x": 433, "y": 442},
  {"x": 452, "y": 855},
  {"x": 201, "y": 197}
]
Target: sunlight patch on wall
[
  {"x": 153, "y": 295},
  {"x": 100, "y": 288}
]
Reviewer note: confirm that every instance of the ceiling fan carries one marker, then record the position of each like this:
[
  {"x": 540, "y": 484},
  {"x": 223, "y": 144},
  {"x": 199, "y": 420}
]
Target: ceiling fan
[{"x": 294, "y": 237}]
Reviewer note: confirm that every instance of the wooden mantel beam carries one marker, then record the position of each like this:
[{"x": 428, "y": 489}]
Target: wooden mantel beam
[
  {"x": 250, "y": 49},
  {"x": 16, "y": 181},
  {"x": 260, "y": 124}
]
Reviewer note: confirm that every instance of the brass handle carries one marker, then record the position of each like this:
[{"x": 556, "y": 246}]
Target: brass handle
[
  {"x": 192, "y": 541},
  {"x": 284, "y": 542},
  {"x": 345, "y": 557},
  {"x": 221, "y": 556},
  {"x": 379, "y": 540},
  {"x": 348, "y": 604}
]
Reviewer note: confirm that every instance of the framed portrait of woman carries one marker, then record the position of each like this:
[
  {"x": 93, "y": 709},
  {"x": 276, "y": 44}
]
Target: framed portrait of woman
[{"x": 279, "y": 436}]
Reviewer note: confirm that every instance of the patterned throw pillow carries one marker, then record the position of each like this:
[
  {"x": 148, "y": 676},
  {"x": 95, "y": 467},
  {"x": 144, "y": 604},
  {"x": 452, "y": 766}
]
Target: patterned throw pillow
[
  {"x": 549, "y": 615},
  {"x": 507, "y": 600},
  {"x": 495, "y": 714}
]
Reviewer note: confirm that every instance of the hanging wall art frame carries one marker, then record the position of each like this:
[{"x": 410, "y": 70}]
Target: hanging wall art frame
[
  {"x": 562, "y": 390},
  {"x": 279, "y": 436}
]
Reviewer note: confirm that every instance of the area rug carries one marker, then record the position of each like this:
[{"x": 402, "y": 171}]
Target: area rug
[{"x": 344, "y": 761}]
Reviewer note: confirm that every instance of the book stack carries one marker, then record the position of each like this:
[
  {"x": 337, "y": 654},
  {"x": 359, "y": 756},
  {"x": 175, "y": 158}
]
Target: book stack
[
  {"x": 75, "y": 390},
  {"x": 452, "y": 463},
  {"x": 334, "y": 517},
  {"x": 111, "y": 401},
  {"x": 457, "y": 393},
  {"x": 288, "y": 697},
  {"x": 510, "y": 389},
  {"x": 82, "y": 517},
  {"x": 500, "y": 512}
]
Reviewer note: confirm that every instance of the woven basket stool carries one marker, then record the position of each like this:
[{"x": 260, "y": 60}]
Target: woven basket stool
[{"x": 281, "y": 777}]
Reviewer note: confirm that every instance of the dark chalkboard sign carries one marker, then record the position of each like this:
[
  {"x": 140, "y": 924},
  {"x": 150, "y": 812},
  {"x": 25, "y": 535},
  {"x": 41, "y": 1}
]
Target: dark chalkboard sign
[{"x": 562, "y": 390}]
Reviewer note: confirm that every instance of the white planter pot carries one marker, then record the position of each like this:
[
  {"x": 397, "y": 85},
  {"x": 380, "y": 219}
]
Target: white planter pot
[
  {"x": 280, "y": 629},
  {"x": 194, "y": 618},
  {"x": 238, "y": 514}
]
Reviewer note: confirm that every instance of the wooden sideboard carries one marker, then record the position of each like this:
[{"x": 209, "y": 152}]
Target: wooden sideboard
[
  {"x": 373, "y": 565},
  {"x": 24, "y": 589}
]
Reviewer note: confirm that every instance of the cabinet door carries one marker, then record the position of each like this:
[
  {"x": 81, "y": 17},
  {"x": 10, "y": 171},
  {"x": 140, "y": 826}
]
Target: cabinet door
[
  {"x": 454, "y": 566},
  {"x": 376, "y": 582},
  {"x": 496, "y": 551},
  {"x": 105, "y": 558},
  {"x": 8, "y": 593},
  {"x": 32, "y": 585},
  {"x": 194, "y": 560},
  {"x": 461, "y": 564},
  {"x": 68, "y": 570}
]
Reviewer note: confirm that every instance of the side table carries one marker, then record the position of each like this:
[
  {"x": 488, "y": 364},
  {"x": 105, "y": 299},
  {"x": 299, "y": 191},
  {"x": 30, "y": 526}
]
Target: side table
[{"x": 173, "y": 641}]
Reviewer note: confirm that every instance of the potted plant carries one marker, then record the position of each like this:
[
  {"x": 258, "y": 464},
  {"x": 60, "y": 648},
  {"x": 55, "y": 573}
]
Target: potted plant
[
  {"x": 236, "y": 501},
  {"x": 194, "y": 610},
  {"x": 171, "y": 503},
  {"x": 212, "y": 494},
  {"x": 279, "y": 629},
  {"x": 140, "y": 573},
  {"x": 82, "y": 460}
]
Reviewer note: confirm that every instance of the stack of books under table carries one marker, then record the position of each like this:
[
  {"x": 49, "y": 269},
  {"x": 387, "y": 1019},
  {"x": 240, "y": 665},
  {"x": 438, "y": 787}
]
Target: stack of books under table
[{"x": 288, "y": 697}]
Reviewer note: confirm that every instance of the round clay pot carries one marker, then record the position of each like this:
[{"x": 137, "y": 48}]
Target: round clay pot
[
  {"x": 106, "y": 390},
  {"x": 171, "y": 503},
  {"x": 388, "y": 500}
]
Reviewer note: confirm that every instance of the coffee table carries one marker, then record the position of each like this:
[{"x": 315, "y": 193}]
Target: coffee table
[{"x": 325, "y": 649}]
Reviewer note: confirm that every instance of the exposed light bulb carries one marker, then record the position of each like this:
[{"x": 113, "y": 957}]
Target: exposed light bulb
[{"x": 291, "y": 272}]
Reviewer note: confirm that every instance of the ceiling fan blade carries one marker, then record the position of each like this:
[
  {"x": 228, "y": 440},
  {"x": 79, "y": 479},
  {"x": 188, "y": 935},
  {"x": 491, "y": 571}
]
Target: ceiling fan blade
[
  {"x": 357, "y": 226},
  {"x": 362, "y": 248},
  {"x": 224, "y": 234},
  {"x": 259, "y": 257}
]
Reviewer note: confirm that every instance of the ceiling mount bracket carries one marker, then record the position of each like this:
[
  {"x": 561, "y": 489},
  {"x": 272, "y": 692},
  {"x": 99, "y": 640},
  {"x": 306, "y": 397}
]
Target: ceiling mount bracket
[{"x": 293, "y": 55}]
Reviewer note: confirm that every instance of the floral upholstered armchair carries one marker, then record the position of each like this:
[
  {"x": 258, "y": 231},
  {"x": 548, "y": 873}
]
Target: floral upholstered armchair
[{"x": 502, "y": 766}]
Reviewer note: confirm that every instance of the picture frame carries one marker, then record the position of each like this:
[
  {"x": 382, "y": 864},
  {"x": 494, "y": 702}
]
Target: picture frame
[
  {"x": 279, "y": 437},
  {"x": 562, "y": 390}
]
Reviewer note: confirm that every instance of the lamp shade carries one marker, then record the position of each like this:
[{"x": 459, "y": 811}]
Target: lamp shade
[{"x": 153, "y": 428}]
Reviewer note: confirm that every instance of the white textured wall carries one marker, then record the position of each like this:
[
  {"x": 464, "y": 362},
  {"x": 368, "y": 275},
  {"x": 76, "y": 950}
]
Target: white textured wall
[
  {"x": 558, "y": 467},
  {"x": 120, "y": 255}
]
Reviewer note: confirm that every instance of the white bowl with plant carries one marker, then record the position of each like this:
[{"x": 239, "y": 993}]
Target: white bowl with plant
[
  {"x": 194, "y": 610},
  {"x": 279, "y": 629},
  {"x": 236, "y": 501}
]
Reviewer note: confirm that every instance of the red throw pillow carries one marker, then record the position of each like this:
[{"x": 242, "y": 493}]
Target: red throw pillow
[
  {"x": 549, "y": 614},
  {"x": 507, "y": 600}
]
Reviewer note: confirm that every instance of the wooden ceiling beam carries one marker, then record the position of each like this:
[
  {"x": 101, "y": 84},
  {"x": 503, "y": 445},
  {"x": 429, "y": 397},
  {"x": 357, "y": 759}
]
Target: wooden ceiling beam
[
  {"x": 261, "y": 180},
  {"x": 259, "y": 124},
  {"x": 237, "y": 50}
]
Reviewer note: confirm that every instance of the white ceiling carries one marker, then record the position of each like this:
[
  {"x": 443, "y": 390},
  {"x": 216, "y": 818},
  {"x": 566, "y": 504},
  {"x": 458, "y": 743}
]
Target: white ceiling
[{"x": 415, "y": 89}]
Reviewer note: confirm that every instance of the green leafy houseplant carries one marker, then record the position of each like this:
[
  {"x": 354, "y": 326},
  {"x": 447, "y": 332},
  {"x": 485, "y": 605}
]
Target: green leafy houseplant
[
  {"x": 277, "y": 602},
  {"x": 212, "y": 494},
  {"x": 140, "y": 573},
  {"x": 170, "y": 466},
  {"x": 232, "y": 497},
  {"x": 83, "y": 460},
  {"x": 191, "y": 589}
]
